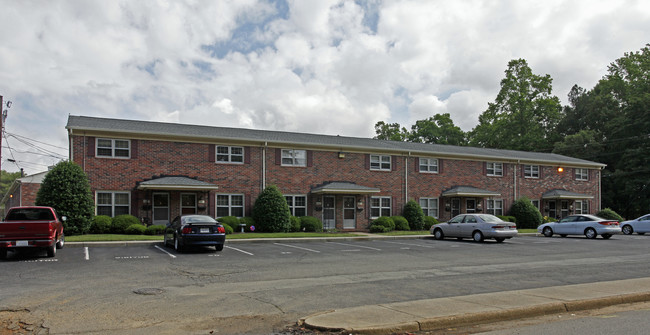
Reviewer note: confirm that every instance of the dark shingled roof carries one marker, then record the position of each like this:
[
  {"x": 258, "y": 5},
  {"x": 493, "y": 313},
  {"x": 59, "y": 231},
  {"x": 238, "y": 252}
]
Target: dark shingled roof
[{"x": 277, "y": 138}]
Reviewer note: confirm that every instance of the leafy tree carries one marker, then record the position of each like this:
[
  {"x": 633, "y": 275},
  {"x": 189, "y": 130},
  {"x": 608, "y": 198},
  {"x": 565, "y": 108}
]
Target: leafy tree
[
  {"x": 271, "y": 211},
  {"x": 526, "y": 214},
  {"x": 66, "y": 189},
  {"x": 524, "y": 114},
  {"x": 6, "y": 179},
  {"x": 583, "y": 144},
  {"x": 390, "y": 132},
  {"x": 439, "y": 129}
]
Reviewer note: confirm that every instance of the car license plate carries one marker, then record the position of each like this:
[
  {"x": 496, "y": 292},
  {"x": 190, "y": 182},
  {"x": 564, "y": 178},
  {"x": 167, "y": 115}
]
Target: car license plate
[
  {"x": 205, "y": 230},
  {"x": 22, "y": 243}
]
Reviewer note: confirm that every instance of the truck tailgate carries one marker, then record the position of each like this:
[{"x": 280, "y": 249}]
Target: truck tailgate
[{"x": 29, "y": 230}]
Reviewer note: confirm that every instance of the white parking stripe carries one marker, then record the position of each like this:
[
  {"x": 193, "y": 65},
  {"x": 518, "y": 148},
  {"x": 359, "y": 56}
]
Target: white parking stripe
[
  {"x": 293, "y": 246},
  {"x": 411, "y": 244},
  {"x": 242, "y": 251},
  {"x": 86, "y": 253},
  {"x": 165, "y": 251},
  {"x": 353, "y": 245}
]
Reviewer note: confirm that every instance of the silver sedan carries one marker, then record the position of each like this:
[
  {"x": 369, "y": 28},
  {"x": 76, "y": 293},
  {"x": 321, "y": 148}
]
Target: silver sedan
[
  {"x": 639, "y": 225},
  {"x": 589, "y": 225},
  {"x": 475, "y": 226}
]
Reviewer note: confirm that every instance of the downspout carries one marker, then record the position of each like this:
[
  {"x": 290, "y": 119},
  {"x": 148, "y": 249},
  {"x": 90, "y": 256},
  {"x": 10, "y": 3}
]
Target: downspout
[
  {"x": 406, "y": 178},
  {"x": 600, "y": 191},
  {"x": 515, "y": 179},
  {"x": 264, "y": 165}
]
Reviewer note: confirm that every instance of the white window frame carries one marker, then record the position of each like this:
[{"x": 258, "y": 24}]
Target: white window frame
[
  {"x": 230, "y": 205},
  {"x": 492, "y": 207},
  {"x": 113, "y": 148},
  {"x": 112, "y": 203},
  {"x": 294, "y": 157},
  {"x": 428, "y": 165},
  {"x": 380, "y": 205},
  {"x": 581, "y": 207},
  {"x": 531, "y": 171},
  {"x": 494, "y": 169},
  {"x": 582, "y": 174},
  {"x": 291, "y": 201},
  {"x": 381, "y": 162},
  {"x": 430, "y": 206},
  {"x": 535, "y": 203},
  {"x": 228, "y": 157}
]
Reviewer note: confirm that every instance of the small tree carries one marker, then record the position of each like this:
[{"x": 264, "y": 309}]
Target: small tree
[
  {"x": 527, "y": 215},
  {"x": 271, "y": 211},
  {"x": 609, "y": 214},
  {"x": 66, "y": 189},
  {"x": 414, "y": 215}
]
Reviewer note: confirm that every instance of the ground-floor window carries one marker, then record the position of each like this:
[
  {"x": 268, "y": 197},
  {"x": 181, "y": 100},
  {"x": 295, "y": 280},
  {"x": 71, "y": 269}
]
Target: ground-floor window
[
  {"x": 230, "y": 205},
  {"x": 297, "y": 204},
  {"x": 380, "y": 206},
  {"x": 581, "y": 206},
  {"x": 429, "y": 206},
  {"x": 112, "y": 203},
  {"x": 495, "y": 206}
]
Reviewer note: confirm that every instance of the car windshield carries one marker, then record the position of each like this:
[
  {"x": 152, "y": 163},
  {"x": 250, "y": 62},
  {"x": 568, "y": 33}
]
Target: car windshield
[
  {"x": 489, "y": 218},
  {"x": 199, "y": 219}
]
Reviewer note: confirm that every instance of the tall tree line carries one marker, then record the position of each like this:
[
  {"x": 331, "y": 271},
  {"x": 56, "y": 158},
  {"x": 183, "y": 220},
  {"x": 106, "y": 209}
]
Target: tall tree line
[{"x": 609, "y": 123}]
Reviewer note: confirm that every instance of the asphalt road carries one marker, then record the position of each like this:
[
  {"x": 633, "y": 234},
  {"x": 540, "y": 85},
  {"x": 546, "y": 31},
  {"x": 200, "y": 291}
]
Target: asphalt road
[{"x": 263, "y": 287}]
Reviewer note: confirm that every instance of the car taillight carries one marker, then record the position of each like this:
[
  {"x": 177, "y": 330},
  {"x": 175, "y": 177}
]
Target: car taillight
[
  {"x": 498, "y": 227},
  {"x": 221, "y": 230},
  {"x": 187, "y": 230},
  {"x": 609, "y": 223}
]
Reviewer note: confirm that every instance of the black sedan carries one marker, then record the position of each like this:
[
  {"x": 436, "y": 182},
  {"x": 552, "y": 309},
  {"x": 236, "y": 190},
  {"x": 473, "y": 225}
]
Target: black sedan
[{"x": 195, "y": 230}]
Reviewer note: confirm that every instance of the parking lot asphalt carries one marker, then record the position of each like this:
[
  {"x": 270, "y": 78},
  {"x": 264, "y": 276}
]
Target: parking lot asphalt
[{"x": 450, "y": 312}]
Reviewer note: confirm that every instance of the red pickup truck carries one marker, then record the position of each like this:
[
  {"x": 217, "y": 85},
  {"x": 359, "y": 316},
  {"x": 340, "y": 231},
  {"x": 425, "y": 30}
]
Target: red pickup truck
[{"x": 31, "y": 227}]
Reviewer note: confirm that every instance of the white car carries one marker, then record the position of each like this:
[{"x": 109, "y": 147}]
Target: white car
[
  {"x": 639, "y": 225},
  {"x": 589, "y": 225},
  {"x": 475, "y": 226}
]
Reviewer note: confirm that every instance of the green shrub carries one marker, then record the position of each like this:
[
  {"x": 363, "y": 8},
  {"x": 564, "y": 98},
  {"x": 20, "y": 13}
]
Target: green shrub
[
  {"x": 231, "y": 221},
  {"x": 609, "y": 214},
  {"x": 414, "y": 215},
  {"x": 158, "y": 229},
  {"x": 382, "y": 224},
  {"x": 248, "y": 221},
  {"x": 101, "y": 224},
  {"x": 295, "y": 224},
  {"x": 401, "y": 223},
  {"x": 136, "y": 229},
  {"x": 507, "y": 218},
  {"x": 228, "y": 229},
  {"x": 311, "y": 224},
  {"x": 526, "y": 214},
  {"x": 429, "y": 221},
  {"x": 271, "y": 211},
  {"x": 122, "y": 222}
]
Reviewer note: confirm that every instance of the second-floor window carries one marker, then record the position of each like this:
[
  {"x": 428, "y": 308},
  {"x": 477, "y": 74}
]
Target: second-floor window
[
  {"x": 495, "y": 169},
  {"x": 113, "y": 148},
  {"x": 531, "y": 171},
  {"x": 226, "y": 154},
  {"x": 380, "y": 162},
  {"x": 293, "y": 157},
  {"x": 582, "y": 174},
  {"x": 429, "y": 165}
]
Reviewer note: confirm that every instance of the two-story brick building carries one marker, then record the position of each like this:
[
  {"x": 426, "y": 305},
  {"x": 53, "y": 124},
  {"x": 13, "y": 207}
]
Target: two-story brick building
[{"x": 156, "y": 171}]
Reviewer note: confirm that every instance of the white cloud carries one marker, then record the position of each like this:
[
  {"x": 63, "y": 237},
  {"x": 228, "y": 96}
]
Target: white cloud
[{"x": 314, "y": 67}]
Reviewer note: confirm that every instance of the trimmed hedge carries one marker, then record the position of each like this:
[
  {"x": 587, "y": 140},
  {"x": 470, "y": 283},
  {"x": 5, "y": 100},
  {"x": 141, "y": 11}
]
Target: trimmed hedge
[
  {"x": 231, "y": 221},
  {"x": 122, "y": 222},
  {"x": 609, "y": 214},
  {"x": 228, "y": 229},
  {"x": 526, "y": 214},
  {"x": 414, "y": 215},
  {"x": 401, "y": 223},
  {"x": 311, "y": 224},
  {"x": 294, "y": 224},
  {"x": 507, "y": 218},
  {"x": 429, "y": 221},
  {"x": 101, "y": 224},
  {"x": 135, "y": 229},
  {"x": 382, "y": 224},
  {"x": 158, "y": 229},
  {"x": 248, "y": 221}
]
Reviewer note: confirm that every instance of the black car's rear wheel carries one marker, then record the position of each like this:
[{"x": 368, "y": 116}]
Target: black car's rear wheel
[
  {"x": 218, "y": 247},
  {"x": 177, "y": 245}
]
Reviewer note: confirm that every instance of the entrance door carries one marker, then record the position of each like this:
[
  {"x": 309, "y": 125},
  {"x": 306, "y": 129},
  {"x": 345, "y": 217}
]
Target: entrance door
[
  {"x": 161, "y": 208},
  {"x": 329, "y": 213},
  {"x": 188, "y": 203},
  {"x": 349, "y": 213},
  {"x": 565, "y": 208},
  {"x": 552, "y": 210},
  {"x": 470, "y": 205},
  {"x": 455, "y": 207}
]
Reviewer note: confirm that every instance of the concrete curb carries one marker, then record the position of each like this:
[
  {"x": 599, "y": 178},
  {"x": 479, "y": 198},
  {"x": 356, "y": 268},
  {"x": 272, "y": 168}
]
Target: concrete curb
[{"x": 442, "y": 313}]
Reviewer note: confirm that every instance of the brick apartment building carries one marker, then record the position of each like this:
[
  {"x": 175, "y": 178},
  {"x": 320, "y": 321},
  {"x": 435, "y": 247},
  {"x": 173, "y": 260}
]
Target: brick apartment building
[
  {"x": 157, "y": 171},
  {"x": 22, "y": 191}
]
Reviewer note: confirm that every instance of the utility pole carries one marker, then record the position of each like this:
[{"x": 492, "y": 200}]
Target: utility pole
[{"x": 3, "y": 118}]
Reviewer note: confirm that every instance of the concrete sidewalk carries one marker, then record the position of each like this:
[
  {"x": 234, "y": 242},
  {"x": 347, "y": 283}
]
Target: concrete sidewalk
[{"x": 441, "y": 313}]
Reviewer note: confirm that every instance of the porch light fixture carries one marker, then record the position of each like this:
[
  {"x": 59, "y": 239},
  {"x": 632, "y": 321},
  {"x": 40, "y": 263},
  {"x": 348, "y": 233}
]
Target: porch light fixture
[
  {"x": 560, "y": 169},
  {"x": 146, "y": 201},
  {"x": 341, "y": 154}
]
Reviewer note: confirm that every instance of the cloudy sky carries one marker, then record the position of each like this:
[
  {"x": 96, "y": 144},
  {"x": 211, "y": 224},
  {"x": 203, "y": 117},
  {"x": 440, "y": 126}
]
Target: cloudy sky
[{"x": 328, "y": 67}]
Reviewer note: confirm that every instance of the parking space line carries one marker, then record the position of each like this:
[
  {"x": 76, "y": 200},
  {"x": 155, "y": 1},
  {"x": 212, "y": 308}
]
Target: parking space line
[
  {"x": 165, "y": 251},
  {"x": 356, "y": 246},
  {"x": 410, "y": 244},
  {"x": 242, "y": 251},
  {"x": 293, "y": 246},
  {"x": 86, "y": 253}
]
